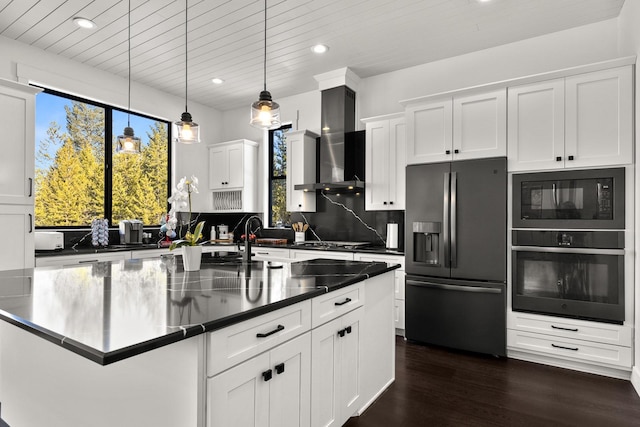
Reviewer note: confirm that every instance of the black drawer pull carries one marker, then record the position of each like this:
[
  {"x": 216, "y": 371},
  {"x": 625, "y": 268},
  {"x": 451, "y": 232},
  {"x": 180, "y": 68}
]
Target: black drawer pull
[
  {"x": 348, "y": 329},
  {"x": 343, "y": 302},
  {"x": 279, "y": 368},
  {"x": 267, "y": 375},
  {"x": 564, "y": 348},
  {"x": 447, "y": 152},
  {"x": 570, "y": 157},
  {"x": 341, "y": 332},
  {"x": 87, "y": 261},
  {"x": 277, "y": 329},
  {"x": 564, "y": 329},
  {"x": 558, "y": 159},
  {"x": 456, "y": 151}
]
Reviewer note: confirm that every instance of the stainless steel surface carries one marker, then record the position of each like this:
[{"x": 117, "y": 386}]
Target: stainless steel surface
[
  {"x": 461, "y": 288},
  {"x": 569, "y": 250},
  {"x": 446, "y": 220},
  {"x": 454, "y": 221}
]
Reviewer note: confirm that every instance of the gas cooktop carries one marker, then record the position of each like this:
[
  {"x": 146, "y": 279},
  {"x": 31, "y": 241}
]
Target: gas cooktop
[{"x": 333, "y": 244}]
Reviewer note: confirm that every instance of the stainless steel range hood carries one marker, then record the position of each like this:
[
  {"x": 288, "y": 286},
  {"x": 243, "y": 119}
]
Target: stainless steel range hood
[{"x": 341, "y": 148}]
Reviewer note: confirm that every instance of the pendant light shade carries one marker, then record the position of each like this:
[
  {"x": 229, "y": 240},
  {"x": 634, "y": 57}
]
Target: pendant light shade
[
  {"x": 265, "y": 113},
  {"x": 186, "y": 131},
  {"x": 127, "y": 142}
]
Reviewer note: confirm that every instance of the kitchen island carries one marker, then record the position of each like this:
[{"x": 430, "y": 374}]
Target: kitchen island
[{"x": 141, "y": 342}]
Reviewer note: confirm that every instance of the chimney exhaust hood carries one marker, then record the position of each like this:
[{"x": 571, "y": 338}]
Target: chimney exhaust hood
[{"x": 341, "y": 148}]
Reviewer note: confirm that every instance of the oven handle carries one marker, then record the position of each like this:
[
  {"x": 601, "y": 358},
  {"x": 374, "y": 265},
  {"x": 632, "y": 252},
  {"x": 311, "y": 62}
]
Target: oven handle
[
  {"x": 463, "y": 288},
  {"x": 587, "y": 251}
]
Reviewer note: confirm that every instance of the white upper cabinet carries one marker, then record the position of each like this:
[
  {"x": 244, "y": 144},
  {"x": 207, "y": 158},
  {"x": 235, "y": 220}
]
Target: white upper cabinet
[
  {"x": 17, "y": 163},
  {"x": 578, "y": 121},
  {"x": 599, "y": 118},
  {"x": 301, "y": 169},
  {"x": 233, "y": 175},
  {"x": 458, "y": 128},
  {"x": 385, "y": 161},
  {"x": 429, "y": 132},
  {"x": 480, "y": 125}
]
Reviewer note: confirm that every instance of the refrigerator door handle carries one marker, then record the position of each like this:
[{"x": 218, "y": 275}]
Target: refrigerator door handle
[
  {"x": 445, "y": 219},
  {"x": 463, "y": 288},
  {"x": 454, "y": 225}
]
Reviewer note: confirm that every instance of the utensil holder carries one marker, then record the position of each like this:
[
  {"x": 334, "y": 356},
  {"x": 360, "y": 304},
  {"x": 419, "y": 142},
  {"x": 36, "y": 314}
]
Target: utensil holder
[{"x": 299, "y": 237}]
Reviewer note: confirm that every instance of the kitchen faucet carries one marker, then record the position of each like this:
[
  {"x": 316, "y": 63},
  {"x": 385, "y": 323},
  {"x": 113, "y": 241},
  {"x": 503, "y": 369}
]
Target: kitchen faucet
[{"x": 246, "y": 257}]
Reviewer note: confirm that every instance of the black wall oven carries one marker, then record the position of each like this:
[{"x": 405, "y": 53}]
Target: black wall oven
[
  {"x": 569, "y": 273},
  {"x": 587, "y": 199}
]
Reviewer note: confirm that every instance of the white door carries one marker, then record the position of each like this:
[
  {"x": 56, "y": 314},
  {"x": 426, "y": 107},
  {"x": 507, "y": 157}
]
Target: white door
[
  {"x": 324, "y": 375},
  {"x": 235, "y": 166},
  {"x": 480, "y": 125},
  {"x": 397, "y": 163},
  {"x": 217, "y": 167},
  {"x": 536, "y": 126},
  {"x": 290, "y": 387},
  {"x": 17, "y": 117},
  {"x": 430, "y": 132},
  {"x": 17, "y": 232},
  {"x": 599, "y": 118},
  {"x": 349, "y": 372},
  {"x": 239, "y": 397},
  {"x": 377, "y": 173}
]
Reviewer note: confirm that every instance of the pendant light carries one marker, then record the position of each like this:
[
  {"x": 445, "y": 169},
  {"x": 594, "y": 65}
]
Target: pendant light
[
  {"x": 265, "y": 113},
  {"x": 187, "y": 132},
  {"x": 127, "y": 142}
]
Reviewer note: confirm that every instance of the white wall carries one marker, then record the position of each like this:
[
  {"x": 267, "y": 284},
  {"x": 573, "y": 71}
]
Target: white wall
[
  {"x": 629, "y": 44},
  {"x": 21, "y": 62}
]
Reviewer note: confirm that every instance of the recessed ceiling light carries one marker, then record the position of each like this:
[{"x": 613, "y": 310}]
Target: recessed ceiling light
[
  {"x": 319, "y": 48},
  {"x": 84, "y": 23},
  {"x": 217, "y": 81}
]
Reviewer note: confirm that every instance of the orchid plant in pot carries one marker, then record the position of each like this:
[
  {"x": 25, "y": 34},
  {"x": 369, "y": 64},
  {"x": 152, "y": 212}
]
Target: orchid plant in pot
[{"x": 180, "y": 199}]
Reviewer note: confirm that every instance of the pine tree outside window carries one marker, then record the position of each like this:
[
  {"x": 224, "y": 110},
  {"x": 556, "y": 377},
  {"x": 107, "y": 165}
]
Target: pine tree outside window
[
  {"x": 80, "y": 177},
  {"x": 278, "y": 214}
]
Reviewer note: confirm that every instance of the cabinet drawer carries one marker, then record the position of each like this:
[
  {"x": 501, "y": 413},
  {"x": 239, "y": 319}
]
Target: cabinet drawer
[
  {"x": 571, "y": 349},
  {"x": 572, "y": 328},
  {"x": 234, "y": 344},
  {"x": 336, "y": 303}
]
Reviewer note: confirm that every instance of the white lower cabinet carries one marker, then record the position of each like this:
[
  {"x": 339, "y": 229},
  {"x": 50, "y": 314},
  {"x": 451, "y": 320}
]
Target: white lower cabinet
[
  {"x": 270, "y": 254},
  {"x": 17, "y": 228},
  {"x": 335, "y": 370},
  {"x": 81, "y": 259},
  {"x": 271, "y": 389}
]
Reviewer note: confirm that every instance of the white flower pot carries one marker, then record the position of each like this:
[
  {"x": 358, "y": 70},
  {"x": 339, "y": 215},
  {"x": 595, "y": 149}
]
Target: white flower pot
[{"x": 191, "y": 257}]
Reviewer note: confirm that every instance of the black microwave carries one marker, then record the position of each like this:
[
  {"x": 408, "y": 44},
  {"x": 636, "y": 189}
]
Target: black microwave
[{"x": 589, "y": 199}]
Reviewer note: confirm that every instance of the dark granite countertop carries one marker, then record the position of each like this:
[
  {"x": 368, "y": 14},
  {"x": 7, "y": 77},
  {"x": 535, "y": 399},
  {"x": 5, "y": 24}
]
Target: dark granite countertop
[
  {"x": 109, "y": 311},
  {"x": 118, "y": 248}
]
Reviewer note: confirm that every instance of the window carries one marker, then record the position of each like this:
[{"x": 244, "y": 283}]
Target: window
[
  {"x": 278, "y": 214},
  {"x": 80, "y": 177}
]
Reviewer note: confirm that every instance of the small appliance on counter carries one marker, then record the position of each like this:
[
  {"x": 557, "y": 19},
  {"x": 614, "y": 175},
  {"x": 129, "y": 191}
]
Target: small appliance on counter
[
  {"x": 49, "y": 240},
  {"x": 130, "y": 232},
  {"x": 223, "y": 232}
]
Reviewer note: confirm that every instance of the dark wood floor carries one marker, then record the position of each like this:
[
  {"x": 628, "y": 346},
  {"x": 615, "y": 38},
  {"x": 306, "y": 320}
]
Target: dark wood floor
[{"x": 439, "y": 387}]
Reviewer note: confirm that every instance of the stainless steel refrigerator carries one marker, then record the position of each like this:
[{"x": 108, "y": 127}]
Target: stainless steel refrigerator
[{"x": 456, "y": 254}]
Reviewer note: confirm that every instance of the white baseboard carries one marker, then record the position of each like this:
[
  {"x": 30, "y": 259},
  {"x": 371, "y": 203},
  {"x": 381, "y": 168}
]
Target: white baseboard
[{"x": 635, "y": 378}]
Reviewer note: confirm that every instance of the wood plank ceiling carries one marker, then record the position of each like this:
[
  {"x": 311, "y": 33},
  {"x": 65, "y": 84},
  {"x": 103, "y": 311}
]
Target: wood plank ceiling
[{"x": 226, "y": 37}]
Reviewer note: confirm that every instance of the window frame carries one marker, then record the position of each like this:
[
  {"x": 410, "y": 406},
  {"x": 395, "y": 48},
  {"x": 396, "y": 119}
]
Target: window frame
[
  {"x": 271, "y": 178},
  {"x": 108, "y": 155}
]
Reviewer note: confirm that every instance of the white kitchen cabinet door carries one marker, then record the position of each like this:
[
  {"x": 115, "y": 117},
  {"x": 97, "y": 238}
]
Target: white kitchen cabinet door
[
  {"x": 301, "y": 169},
  {"x": 599, "y": 118},
  {"x": 429, "y": 132},
  {"x": 17, "y": 117},
  {"x": 17, "y": 232},
  {"x": 480, "y": 125},
  {"x": 233, "y": 175},
  {"x": 235, "y": 166},
  {"x": 268, "y": 390},
  {"x": 239, "y": 397},
  {"x": 385, "y": 161},
  {"x": 218, "y": 167},
  {"x": 335, "y": 373},
  {"x": 536, "y": 126}
]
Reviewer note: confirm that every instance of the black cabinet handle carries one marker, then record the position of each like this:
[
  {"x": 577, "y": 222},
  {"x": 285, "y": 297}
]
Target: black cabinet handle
[
  {"x": 279, "y": 368},
  {"x": 341, "y": 332},
  {"x": 348, "y": 329},
  {"x": 564, "y": 329},
  {"x": 343, "y": 302},
  {"x": 447, "y": 152},
  {"x": 277, "y": 329},
  {"x": 30, "y": 223},
  {"x": 456, "y": 151},
  {"x": 267, "y": 375},
  {"x": 87, "y": 261},
  {"x": 558, "y": 159},
  {"x": 390, "y": 203},
  {"x": 30, "y": 187},
  {"x": 570, "y": 157},
  {"x": 564, "y": 348},
  {"x": 299, "y": 205},
  {"x": 384, "y": 203}
]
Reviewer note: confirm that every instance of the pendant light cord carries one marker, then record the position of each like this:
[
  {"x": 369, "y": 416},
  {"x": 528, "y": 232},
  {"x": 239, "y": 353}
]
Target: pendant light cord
[
  {"x": 129, "y": 72},
  {"x": 265, "y": 45},
  {"x": 186, "y": 67}
]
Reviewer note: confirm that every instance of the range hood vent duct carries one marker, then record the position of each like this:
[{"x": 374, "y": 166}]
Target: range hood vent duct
[{"x": 341, "y": 148}]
